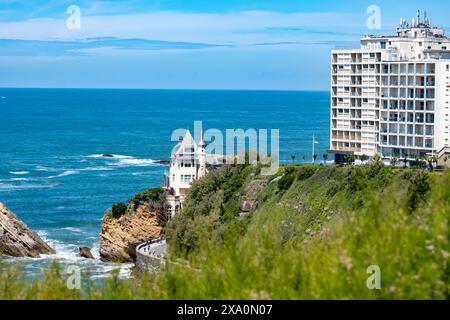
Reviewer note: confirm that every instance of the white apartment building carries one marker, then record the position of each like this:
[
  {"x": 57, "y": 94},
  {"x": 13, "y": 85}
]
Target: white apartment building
[
  {"x": 391, "y": 95},
  {"x": 187, "y": 164}
]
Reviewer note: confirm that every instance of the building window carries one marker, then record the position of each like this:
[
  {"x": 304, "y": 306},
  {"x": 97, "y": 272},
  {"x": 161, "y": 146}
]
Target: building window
[{"x": 187, "y": 178}]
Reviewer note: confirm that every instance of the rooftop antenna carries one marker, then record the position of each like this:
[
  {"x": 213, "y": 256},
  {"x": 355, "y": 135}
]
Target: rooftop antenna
[{"x": 427, "y": 21}]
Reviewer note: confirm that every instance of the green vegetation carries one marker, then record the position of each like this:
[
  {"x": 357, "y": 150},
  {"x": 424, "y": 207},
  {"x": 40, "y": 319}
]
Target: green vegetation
[
  {"x": 150, "y": 195},
  {"x": 312, "y": 233},
  {"x": 118, "y": 210},
  {"x": 153, "y": 198}
]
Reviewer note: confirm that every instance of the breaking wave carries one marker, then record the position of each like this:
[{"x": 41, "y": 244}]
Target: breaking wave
[
  {"x": 65, "y": 173},
  {"x": 118, "y": 160},
  {"x": 19, "y": 172}
]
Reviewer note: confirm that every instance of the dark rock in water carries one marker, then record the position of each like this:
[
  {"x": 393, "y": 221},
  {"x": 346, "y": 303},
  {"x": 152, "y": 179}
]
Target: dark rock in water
[
  {"x": 106, "y": 155},
  {"x": 17, "y": 239},
  {"x": 163, "y": 162},
  {"x": 85, "y": 252}
]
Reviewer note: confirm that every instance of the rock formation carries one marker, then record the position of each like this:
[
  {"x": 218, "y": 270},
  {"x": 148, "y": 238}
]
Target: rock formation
[
  {"x": 120, "y": 236},
  {"x": 85, "y": 252},
  {"x": 17, "y": 239}
]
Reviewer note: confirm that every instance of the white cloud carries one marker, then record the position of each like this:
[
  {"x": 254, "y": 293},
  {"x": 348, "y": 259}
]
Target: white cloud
[{"x": 225, "y": 28}]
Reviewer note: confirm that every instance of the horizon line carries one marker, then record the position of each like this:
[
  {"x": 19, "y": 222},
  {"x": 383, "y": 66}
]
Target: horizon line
[{"x": 162, "y": 89}]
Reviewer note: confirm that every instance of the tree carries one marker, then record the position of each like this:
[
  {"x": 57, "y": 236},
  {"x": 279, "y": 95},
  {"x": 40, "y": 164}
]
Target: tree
[
  {"x": 293, "y": 158},
  {"x": 418, "y": 161},
  {"x": 430, "y": 162},
  {"x": 364, "y": 157},
  {"x": 325, "y": 157},
  {"x": 394, "y": 161},
  {"x": 435, "y": 160},
  {"x": 314, "y": 157},
  {"x": 349, "y": 158},
  {"x": 405, "y": 162},
  {"x": 376, "y": 158}
]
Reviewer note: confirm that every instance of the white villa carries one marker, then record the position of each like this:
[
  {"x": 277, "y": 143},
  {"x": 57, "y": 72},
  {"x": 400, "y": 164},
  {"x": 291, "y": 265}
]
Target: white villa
[
  {"x": 391, "y": 95},
  {"x": 187, "y": 164}
]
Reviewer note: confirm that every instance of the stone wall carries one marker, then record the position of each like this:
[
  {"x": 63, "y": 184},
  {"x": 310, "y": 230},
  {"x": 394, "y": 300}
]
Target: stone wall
[{"x": 150, "y": 255}]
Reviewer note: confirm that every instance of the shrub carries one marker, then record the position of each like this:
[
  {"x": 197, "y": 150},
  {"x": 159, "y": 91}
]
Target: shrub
[
  {"x": 286, "y": 181},
  {"x": 305, "y": 172},
  {"x": 150, "y": 195},
  {"x": 118, "y": 210},
  {"x": 417, "y": 190}
]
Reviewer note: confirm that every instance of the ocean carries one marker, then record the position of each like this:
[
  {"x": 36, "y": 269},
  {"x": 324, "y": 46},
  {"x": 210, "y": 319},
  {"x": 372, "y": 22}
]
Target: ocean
[{"x": 52, "y": 174}]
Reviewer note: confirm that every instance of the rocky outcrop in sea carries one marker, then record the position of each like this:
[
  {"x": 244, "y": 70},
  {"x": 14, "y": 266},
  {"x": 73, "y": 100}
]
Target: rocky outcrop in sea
[
  {"x": 17, "y": 239},
  {"x": 120, "y": 236}
]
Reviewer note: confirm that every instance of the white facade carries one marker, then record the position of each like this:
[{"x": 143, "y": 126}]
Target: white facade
[
  {"x": 187, "y": 164},
  {"x": 390, "y": 96}
]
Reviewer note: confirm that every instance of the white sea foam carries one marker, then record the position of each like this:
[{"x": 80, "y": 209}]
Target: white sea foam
[
  {"x": 133, "y": 162},
  {"x": 151, "y": 173},
  {"x": 19, "y": 172},
  {"x": 16, "y": 179},
  {"x": 118, "y": 160},
  {"x": 73, "y": 229},
  {"x": 12, "y": 187},
  {"x": 45, "y": 169},
  {"x": 65, "y": 173},
  {"x": 69, "y": 254},
  {"x": 20, "y": 179},
  {"x": 96, "y": 169}
]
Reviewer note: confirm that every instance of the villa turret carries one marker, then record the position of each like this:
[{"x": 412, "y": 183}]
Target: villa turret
[{"x": 187, "y": 164}]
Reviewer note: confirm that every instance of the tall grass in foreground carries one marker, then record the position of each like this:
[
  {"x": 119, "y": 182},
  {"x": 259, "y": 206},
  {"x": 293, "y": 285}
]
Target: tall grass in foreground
[
  {"x": 411, "y": 249},
  {"x": 313, "y": 237}
]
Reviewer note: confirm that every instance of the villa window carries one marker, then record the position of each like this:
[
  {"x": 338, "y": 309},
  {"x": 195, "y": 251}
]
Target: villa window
[{"x": 187, "y": 178}]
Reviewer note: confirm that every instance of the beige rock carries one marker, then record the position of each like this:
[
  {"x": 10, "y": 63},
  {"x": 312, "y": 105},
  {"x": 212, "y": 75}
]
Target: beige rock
[
  {"x": 17, "y": 239},
  {"x": 120, "y": 236}
]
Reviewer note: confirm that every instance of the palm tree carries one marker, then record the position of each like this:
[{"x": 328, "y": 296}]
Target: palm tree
[
  {"x": 325, "y": 157},
  {"x": 314, "y": 157},
  {"x": 418, "y": 160},
  {"x": 430, "y": 162},
  {"x": 376, "y": 158},
  {"x": 435, "y": 160},
  {"x": 293, "y": 158},
  {"x": 394, "y": 161}
]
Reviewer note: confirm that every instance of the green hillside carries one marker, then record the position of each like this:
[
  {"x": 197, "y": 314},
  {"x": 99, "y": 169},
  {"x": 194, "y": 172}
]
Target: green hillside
[{"x": 308, "y": 232}]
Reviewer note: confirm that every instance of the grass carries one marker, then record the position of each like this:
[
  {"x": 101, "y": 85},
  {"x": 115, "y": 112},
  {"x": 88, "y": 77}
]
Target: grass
[{"x": 312, "y": 236}]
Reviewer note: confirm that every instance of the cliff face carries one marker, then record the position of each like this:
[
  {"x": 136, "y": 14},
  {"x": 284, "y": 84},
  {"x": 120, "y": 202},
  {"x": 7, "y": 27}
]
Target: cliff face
[
  {"x": 17, "y": 239},
  {"x": 120, "y": 236}
]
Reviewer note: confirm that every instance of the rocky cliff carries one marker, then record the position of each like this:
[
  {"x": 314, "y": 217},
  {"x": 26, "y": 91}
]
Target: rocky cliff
[
  {"x": 142, "y": 221},
  {"x": 17, "y": 239}
]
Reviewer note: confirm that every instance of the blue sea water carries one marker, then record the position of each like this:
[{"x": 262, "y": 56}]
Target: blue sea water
[{"x": 53, "y": 177}]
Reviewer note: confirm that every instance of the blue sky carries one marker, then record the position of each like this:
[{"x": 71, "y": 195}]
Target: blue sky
[{"x": 196, "y": 44}]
